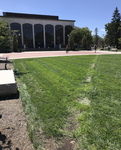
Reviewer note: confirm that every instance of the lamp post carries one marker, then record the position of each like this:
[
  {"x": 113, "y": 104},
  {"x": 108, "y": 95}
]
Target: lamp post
[
  {"x": 68, "y": 36},
  {"x": 19, "y": 35},
  {"x": 67, "y": 44}
]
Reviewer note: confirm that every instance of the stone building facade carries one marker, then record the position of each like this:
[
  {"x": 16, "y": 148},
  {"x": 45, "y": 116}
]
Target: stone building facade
[{"x": 39, "y": 31}]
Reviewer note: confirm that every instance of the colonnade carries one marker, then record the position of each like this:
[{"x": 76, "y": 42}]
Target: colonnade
[{"x": 47, "y": 30}]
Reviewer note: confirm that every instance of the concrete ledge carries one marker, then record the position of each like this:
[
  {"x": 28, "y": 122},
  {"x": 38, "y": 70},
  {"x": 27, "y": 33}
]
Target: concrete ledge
[
  {"x": 8, "y": 89},
  {"x": 114, "y": 49},
  {"x": 8, "y": 85}
]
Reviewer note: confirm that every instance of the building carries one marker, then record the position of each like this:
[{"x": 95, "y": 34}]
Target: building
[{"x": 39, "y": 31}]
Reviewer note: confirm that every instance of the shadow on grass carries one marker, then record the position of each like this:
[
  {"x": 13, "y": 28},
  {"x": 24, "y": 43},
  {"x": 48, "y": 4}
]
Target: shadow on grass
[
  {"x": 5, "y": 61},
  {"x": 19, "y": 74}
]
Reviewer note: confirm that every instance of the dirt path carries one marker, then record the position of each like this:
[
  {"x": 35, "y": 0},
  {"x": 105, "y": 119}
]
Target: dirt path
[{"x": 13, "y": 126}]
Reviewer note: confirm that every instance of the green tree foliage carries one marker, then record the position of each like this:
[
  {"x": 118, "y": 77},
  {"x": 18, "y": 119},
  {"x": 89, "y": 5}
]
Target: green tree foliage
[
  {"x": 119, "y": 39},
  {"x": 106, "y": 40},
  {"x": 96, "y": 36},
  {"x": 113, "y": 29},
  {"x": 14, "y": 42},
  {"x": 80, "y": 37},
  {"x": 8, "y": 38},
  {"x": 110, "y": 38},
  {"x": 100, "y": 41},
  {"x": 5, "y": 36}
]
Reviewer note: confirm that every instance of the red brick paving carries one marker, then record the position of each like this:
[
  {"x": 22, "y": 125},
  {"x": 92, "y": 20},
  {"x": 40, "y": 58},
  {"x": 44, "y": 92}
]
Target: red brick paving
[{"x": 52, "y": 53}]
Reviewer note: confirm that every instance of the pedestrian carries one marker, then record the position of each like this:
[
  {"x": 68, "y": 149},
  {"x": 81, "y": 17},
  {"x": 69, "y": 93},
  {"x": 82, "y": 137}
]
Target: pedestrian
[
  {"x": 109, "y": 48},
  {"x": 95, "y": 46},
  {"x": 66, "y": 48}
]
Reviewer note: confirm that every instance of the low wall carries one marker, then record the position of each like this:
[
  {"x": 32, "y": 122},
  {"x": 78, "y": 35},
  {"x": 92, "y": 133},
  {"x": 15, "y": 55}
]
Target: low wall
[
  {"x": 8, "y": 85},
  {"x": 8, "y": 89}
]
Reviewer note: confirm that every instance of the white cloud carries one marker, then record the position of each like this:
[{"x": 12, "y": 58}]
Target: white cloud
[{"x": 102, "y": 29}]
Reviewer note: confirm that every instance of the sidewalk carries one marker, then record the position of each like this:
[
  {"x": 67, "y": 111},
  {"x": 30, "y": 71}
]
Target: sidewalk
[
  {"x": 35, "y": 54},
  {"x": 1, "y": 55}
]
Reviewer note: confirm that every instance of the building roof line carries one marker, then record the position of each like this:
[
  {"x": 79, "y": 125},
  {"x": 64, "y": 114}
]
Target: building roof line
[{"x": 32, "y": 16}]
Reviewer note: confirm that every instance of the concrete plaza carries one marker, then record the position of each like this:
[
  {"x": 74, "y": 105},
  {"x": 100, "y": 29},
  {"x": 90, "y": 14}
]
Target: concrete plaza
[{"x": 35, "y": 54}]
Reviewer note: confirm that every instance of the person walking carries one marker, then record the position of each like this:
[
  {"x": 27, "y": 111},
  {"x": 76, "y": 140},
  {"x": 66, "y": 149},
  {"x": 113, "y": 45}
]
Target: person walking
[
  {"x": 109, "y": 48},
  {"x": 95, "y": 46}
]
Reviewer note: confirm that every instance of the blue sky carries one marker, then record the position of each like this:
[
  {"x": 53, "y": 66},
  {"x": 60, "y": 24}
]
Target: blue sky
[{"x": 86, "y": 13}]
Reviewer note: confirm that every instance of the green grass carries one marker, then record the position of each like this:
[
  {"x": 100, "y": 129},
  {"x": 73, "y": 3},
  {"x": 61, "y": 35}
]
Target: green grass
[
  {"x": 53, "y": 90},
  {"x": 49, "y": 89},
  {"x": 101, "y": 124}
]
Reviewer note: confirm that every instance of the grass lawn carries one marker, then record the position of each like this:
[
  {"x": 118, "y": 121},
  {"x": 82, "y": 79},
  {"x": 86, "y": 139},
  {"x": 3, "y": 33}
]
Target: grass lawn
[{"x": 60, "y": 103}]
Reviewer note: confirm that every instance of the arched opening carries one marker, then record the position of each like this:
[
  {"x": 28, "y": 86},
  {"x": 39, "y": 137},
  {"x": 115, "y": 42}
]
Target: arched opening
[
  {"x": 27, "y": 35},
  {"x": 38, "y": 33},
  {"x": 59, "y": 34},
  {"x": 49, "y": 34},
  {"x": 17, "y": 27}
]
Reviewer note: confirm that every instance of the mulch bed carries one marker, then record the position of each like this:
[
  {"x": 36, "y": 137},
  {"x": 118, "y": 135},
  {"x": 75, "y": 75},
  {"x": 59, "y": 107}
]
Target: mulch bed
[{"x": 13, "y": 126}]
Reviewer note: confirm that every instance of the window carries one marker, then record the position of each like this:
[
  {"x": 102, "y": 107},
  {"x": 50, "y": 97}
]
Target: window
[
  {"x": 17, "y": 27},
  {"x": 59, "y": 34},
  {"x": 49, "y": 34},
  {"x": 27, "y": 35},
  {"x": 68, "y": 29},
  {"x": 38, "y": 33}
]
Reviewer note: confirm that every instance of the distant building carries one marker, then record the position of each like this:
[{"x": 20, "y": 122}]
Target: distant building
[{"x": 39, "y": 31}]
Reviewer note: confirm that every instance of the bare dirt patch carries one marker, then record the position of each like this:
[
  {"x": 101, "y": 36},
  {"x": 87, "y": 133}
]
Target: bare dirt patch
[
  {"x": 13, "y": 126},
  {"x": 68, "y": 145},
  {"x": 89, "y": 78}
]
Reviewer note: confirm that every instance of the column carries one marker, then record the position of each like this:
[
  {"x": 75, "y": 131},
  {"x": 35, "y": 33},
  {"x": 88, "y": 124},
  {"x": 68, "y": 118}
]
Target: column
[
  {"x": 22, "y": 34},
  {"x": 44, "y": 36},
  {"x": 33, "y": 36},
  {"x": 54, "y": 38},
  {"x": 63, "y": 35}
]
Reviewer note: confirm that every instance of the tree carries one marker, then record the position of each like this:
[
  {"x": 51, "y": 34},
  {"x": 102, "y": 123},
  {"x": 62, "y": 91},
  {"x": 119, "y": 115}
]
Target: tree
[
  {"x": 119, "y": 39},
  {"x": 106, "y": 40},
  {"x": 71, "y": 39},
  {"x": 113, "y": 28},
  {"x": 110, "y": 34},
  {"x": 96, "y": 36},
  {"x": 75, "y": 38},
  {"x": 100, "y": 41},
  {"x": 14, "y": 42},
  {"x": 8, "y": 38},
  {"x": 86, "y": 37},
  {"x": 80, "y": 36},
  {"x": 5, "y": 35}
]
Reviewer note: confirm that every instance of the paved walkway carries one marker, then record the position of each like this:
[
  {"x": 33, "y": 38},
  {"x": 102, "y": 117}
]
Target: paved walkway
[{"x": 52, "y": 54}]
